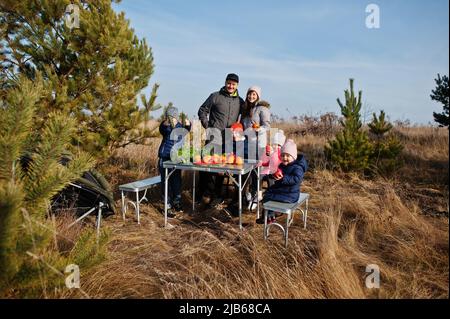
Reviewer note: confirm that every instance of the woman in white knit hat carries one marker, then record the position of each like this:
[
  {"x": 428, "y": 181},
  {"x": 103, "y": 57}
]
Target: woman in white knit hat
[
  {"x": 256, "y": 117},
  {"x": 256, "y": 114}
]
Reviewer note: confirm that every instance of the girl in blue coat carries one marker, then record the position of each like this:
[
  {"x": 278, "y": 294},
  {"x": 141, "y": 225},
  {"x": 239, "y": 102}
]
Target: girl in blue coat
[
  {"x": 170, "y": 123},
  {"x": 288, "y": 179}
]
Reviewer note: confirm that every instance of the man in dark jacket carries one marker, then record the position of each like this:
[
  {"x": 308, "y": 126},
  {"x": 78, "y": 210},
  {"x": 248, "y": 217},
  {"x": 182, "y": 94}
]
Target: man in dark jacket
[
  {"x": 220, "y": 110},
  {"x": 288, "y": 179}
]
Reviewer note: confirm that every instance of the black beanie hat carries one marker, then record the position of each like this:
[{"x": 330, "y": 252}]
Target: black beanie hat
[{"x": 232, "y": 77}]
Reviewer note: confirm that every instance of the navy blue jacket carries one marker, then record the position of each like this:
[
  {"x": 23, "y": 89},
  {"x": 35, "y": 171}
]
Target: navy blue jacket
[
  {"x": 287, "y": 189},
  {"x": 167, "y": 143}
]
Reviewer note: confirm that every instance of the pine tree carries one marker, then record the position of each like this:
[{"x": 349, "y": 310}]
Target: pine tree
[
  {"x": 92, "y": 73},
  {"x": 379, "y": 126},
  {"x": 386, "y": 147},
  {"x": 441, "y": 94},
  {"x": 26, "y": 249},
  {"x": 351, "y": 149}
]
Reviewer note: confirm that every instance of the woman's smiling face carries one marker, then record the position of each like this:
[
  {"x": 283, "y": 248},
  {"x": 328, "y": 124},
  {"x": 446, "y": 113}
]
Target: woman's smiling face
[{"x": 252, "y": 97}]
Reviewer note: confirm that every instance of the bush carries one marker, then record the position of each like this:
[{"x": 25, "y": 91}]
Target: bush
[{"x": 386, "y": 147}]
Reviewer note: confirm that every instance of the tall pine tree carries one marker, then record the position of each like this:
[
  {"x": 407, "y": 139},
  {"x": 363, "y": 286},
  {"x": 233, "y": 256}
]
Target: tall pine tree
[
  {"x": 351, "y": 149},
  {"x": 92, "y": 72}
]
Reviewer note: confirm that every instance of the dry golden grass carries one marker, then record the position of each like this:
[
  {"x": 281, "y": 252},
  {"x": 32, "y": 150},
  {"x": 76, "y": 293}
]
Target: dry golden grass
[{"x": 400, "y": 224}]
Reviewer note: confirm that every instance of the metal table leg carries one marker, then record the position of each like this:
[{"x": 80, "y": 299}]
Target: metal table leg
[
  {"x": 257, "y": 191},
  {"x": 306, "y": 215},
  {"x": 238, "y": 183},
  {"x": 123, "y": 205},
  {"x": 99, "y": 218},
  {"x": 81, "y": 217},
  {"x": 193, "y": 191},
  {"x": 288, "y": 217},
  {"x": 137, "y": 208},
  {"x": 166, "y": 184},
  {"x": 240, "y": 201},
  {"x": 265, "y": 225}
]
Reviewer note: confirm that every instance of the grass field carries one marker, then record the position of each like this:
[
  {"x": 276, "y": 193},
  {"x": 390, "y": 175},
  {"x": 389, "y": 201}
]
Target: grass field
[{"x": 399, "y": 223}]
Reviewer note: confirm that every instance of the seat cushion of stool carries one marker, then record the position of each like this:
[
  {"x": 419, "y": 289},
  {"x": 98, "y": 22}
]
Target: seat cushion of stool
[{"x": 285, "y": 208}]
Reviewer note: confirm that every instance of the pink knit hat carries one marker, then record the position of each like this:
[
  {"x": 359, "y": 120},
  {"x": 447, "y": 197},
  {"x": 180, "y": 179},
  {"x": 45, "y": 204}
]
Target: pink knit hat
[
  {"x": 290, "y": 148},
  {"x": 256, "y": 89}
]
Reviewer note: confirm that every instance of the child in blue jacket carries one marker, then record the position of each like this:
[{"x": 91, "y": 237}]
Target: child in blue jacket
[
  {"x": 288, "y": 179},
  {"x": 165, "y": 128}
]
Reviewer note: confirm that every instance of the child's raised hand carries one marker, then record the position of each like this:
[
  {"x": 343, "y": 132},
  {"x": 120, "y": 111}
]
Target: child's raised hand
[{"x": 278, "y": 175}]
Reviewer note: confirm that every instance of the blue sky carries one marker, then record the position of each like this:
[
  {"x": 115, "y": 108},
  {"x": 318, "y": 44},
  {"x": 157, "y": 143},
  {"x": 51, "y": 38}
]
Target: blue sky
[{"x": 301, "y": 53}]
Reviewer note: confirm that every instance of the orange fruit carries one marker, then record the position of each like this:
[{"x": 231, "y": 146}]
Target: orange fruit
[
  {"x": 237, "y": 127},
  {"x": 216, "y": 159},
  {"x": 230, "y": 159},
  {"x": 207, "y": 158},
  {"x": 239, "y": 160}
]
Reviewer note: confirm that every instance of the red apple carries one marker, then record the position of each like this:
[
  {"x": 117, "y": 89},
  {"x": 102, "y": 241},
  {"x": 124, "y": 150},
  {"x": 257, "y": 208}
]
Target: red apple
[{"x": 278, "y": 174}]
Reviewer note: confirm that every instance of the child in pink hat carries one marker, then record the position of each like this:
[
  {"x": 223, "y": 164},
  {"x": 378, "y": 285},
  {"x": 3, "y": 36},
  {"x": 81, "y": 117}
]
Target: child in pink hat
[{"x": 288, "y": 178}]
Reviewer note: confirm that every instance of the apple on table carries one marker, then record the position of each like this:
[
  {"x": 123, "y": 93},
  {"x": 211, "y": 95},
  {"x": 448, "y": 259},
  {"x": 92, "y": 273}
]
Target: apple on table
[
  {"x": 239, "y": 160},
  {"x": 207, "y": 159},
  {"x": 231, "y": 159}
]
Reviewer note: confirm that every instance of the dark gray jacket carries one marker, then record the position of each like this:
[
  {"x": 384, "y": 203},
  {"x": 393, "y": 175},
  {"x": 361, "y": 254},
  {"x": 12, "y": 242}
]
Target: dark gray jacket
[{"x": 220, "y": 110}]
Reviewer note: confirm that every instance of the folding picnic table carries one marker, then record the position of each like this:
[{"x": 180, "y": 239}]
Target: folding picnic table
[{"x": 239, "y": 170}]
